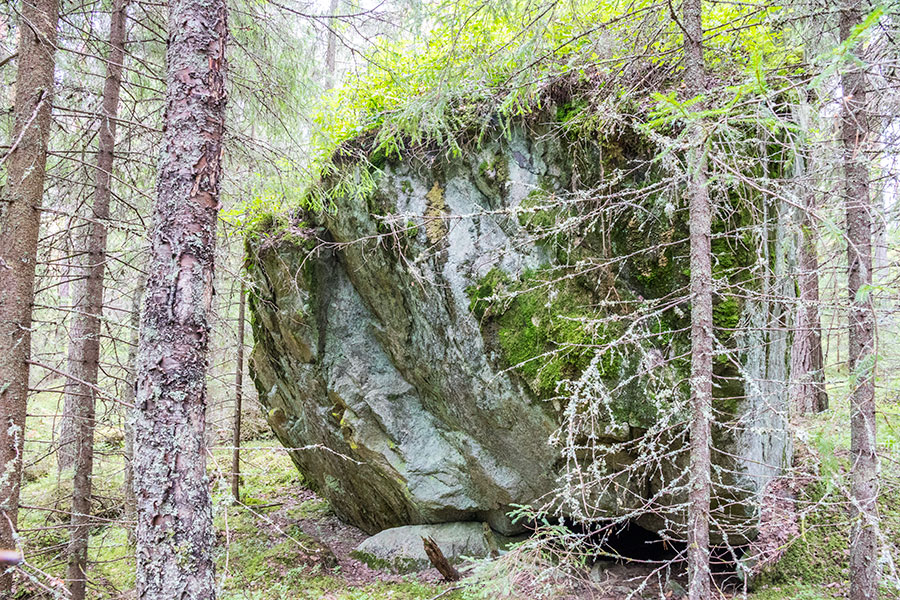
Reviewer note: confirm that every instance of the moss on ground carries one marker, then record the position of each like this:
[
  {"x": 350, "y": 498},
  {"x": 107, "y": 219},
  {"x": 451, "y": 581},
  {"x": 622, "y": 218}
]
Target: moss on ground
[
  {"x": 253, "y": 559},
  {"x": 297, "y": 586},
  {"x": 819, "y": 554},
  {"x": 817, "y": 561},
  {"x": 263, "y": 565},
  {"x": 797, "y": 591}
]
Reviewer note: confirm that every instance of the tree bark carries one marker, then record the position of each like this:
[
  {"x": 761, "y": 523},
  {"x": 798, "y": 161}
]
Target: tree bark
[
  {"x": 84, "y": 342},
  {"x": 864, "y": 573},
  {"x": 129, "y": 396},
  {"x": 807, "y": 391},
  {"x": 331, "y": 47},
  {"x": 440, "y": 562},
  {"x": 174, "y": 524},
  {"x": 701, "y": 317},
  {"x": 238, "y": 394},
  {"x": 19, "y": 225}
]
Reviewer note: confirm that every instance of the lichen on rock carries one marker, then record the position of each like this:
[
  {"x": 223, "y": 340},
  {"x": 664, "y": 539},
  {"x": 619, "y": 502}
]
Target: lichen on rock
[{"x": 426, "y": 346}]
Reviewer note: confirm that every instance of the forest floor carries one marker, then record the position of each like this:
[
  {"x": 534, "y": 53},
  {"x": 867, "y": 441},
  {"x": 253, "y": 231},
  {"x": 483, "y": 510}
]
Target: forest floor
[{"x": 283, "y": 541}]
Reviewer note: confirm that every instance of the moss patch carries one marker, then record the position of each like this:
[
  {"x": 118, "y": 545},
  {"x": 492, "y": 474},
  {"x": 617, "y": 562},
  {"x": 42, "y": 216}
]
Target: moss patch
[
  {"x": 546, "y": 326},
  {"x": 820, "y": 554}
]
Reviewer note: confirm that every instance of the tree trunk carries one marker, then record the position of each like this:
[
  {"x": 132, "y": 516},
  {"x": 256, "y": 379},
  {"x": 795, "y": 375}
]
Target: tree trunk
[
  {"x": 701, "y": 318},
  {"x": 174, "y": 524},
  {"x": 864, "y": 573},
  {"x": 19, "y": 225},
  {"x": 238, "y": 393},
  {"x": 807, "y": 392},
  {"x": 331, "y": 48},
  {"x": 129, "y": 397},
  {"x": 84, "y": 343},
  {"x": 440, "y": 562}
]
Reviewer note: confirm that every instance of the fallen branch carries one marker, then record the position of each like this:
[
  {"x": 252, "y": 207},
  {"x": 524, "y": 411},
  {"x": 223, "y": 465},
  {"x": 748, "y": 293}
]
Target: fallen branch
[
  {"x": 439, "y": 561},
  {"x": 447, "y": 591}
]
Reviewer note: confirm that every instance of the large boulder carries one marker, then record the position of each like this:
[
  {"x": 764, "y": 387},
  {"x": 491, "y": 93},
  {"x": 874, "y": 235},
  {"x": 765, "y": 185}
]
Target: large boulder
[{"x": 411, "y": 391}]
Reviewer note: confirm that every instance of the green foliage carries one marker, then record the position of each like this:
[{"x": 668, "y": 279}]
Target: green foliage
[{"x": 479, "y": 66}]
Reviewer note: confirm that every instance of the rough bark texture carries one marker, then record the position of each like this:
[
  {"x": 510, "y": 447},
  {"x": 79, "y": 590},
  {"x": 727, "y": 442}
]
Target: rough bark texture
[
  {"x": 440, "y": 562},
  {"x": 807, "y": 389},
  {"x": 84, "y": 341},
  {"x": 701, "y": 319},
  {"x": 858, "y": 206},
  {"x": 19, "y": 225},
  {"x": 238, "y": 396},
  {"x": 174, "y": 524},
  {"x": 808, "y": 393}
]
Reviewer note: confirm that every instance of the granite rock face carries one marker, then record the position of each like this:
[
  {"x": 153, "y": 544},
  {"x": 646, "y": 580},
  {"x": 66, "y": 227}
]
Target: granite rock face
[{"x": 402, "y": 397}]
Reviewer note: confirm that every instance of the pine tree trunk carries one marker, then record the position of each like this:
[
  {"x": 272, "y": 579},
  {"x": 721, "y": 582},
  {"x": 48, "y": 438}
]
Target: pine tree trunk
[
  {"x": 19, "y": 225},
  {"x": 864, "y": 573},
  {"x": 807, "y": 390},
  {"x": 701, "y": 318},
  {"x": 84, "y": 343},
  {"x": 174, "y": 523},
  {"x": 238, "y": 395},
  {"x": 808, "y": 393}
]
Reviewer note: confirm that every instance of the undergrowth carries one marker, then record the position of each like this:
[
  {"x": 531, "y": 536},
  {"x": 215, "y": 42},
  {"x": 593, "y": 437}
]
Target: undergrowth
[{"x": 255, "y": 563}]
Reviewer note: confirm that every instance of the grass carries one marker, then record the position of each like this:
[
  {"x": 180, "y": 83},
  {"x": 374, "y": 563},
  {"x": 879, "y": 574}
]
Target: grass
[
  {"x": 261, "y": 560},
  {"x": 262, "y": 553}
]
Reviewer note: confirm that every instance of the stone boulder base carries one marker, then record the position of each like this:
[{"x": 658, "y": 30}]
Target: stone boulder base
[{"x": 400, "y": 549}]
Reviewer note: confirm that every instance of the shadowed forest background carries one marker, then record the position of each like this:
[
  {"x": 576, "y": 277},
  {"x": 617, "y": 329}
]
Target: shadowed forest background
[{"x": 449, "y": 299}]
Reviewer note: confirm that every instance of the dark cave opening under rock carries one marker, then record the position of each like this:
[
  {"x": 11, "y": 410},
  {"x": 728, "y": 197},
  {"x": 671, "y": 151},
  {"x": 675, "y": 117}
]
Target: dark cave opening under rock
[{"x": 631, "y": 550}]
